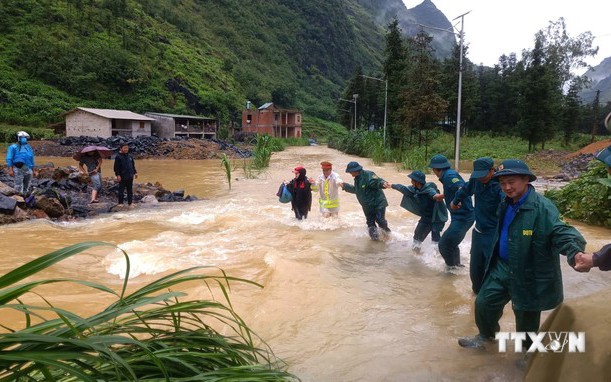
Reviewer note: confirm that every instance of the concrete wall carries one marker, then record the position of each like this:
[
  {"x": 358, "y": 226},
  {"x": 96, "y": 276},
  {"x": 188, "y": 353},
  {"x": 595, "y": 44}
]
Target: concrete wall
[
  {"x": 140, "y": 128},
  {"x": 82, "y": 123},
  {"x": 162, "y": 126}
]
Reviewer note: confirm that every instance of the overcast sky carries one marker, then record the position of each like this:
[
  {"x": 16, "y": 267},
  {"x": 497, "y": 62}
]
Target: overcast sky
[{"x": 494, "y": 27}]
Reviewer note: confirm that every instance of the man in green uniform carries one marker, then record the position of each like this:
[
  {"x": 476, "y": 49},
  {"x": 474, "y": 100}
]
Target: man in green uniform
[
  {"x": 368, "y": 189},
  {"x": 524, "y": 266},
  {"x": 462, "y": 218},
  {"x": 488, "y": 195},
  {"x": 419, "y": 199}
]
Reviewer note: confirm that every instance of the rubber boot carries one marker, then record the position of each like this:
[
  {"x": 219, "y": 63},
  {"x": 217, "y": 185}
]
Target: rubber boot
[{"x": 373, "y": 233}]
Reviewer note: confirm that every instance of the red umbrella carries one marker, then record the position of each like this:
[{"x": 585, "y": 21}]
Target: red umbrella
[{"x": 103, "y": 152}]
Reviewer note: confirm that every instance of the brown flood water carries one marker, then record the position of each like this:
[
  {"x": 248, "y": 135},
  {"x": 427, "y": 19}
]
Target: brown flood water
[{"x": 335, "y": 306}]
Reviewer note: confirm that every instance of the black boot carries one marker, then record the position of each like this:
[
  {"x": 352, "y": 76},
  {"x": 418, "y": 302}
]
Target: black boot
[{"x": 373, "y": 233}]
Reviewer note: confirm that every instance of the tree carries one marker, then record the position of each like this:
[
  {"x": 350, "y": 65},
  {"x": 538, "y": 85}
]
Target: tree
[
  {"x": 394, "y": 65},
  {"x": 540, "y": 98},
  {"x": 421, "y": 102},
  {"x": 571, "y": 112}
]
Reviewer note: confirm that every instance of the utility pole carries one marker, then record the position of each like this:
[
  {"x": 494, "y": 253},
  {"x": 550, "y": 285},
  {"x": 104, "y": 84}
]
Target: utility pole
[
  {"x": 385, "y": 102},
  {"x": 459, "y": 101},
  {"x": 353, "y": 100},
  {"x": 354, "y": 97},
  {"x": 460, "y": 70}
]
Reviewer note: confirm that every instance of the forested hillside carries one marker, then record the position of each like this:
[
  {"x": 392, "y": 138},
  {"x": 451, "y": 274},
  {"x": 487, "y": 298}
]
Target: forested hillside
[{"x": 188, "y": 56}]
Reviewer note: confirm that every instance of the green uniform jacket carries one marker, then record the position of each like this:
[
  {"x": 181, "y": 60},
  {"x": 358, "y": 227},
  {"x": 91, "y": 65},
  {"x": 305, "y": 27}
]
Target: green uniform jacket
[
  {"x": 536, "y": 237},
  {"x": 368, "y": 190}
]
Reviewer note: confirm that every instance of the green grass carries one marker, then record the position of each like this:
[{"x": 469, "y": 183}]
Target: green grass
[
  {"x": 151, "y": 334},
  {"x": 8, "y": 133}
]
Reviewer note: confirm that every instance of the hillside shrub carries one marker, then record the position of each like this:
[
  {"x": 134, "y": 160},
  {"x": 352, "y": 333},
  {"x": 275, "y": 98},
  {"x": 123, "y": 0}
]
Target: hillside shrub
[{"x": 586, "y": 199}]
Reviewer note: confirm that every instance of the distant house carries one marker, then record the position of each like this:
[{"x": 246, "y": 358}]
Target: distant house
[
  {"x": 272, "y": 120},
  {"x": 176, "y": 125},
  {"x": 105, "y": 123}
]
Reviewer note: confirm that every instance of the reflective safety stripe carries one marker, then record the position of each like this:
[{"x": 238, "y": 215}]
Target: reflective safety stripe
[{"x": 327, "y": 202}]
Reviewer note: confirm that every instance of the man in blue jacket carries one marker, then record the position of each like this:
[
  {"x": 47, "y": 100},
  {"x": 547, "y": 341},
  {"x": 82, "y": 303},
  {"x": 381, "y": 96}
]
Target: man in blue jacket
[
  {"x": 20, "y": 162},
  {"x": 462, "y": 218},
  {"x": 488, "y": 195},
  {"x": 524, "y": 267}
]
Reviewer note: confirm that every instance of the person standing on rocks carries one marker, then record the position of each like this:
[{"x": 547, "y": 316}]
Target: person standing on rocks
[
  {"x": 20, "y": 162},
  {"x": 91, "y": 164},
  {"x": 125, "y": 170}
]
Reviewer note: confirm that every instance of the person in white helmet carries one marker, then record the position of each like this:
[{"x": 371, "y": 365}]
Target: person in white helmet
[{"x": 20, "y": 162}]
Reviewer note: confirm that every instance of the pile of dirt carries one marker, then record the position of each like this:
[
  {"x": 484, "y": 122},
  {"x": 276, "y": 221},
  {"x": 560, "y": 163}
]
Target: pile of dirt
[
  {"x": 592, "y": 148},
  {"x": 562, "y": 165}
]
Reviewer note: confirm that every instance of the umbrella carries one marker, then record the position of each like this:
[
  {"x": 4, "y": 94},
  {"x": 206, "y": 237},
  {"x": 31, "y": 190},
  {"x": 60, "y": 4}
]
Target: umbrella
[{"x": 104, "y": 152}]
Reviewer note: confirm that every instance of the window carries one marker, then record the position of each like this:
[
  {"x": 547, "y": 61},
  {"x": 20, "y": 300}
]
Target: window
[
  {"x": 248, "y": 118},
  {"x": 142, "y": 124},
  {"x": 298, "y": 118}
]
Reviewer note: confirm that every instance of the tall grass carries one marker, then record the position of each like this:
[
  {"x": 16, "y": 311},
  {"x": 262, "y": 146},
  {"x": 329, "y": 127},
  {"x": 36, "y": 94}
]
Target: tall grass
[
  {"x": 151, "y": 334},
  {"x": 262, "y": 152},
  {"x": 227, "y": 167}
]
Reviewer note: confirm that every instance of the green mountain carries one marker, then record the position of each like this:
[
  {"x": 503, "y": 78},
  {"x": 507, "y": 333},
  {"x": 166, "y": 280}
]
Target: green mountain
[{"x": 188, "y": 56}]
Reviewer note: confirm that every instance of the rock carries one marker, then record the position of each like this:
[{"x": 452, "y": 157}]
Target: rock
[
  {"x": 51, "y": 206},
  {"x": 17, "y": 216},
  {"x": 7, "y": 205},
  {"x": 38, "y": 214},
  {"x": 149, "y": 199},
  {"x": 7, "y": 190},
  {"x": 179, "y": 193}
]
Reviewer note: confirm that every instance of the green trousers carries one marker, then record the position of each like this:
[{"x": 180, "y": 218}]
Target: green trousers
[{"x": 492, "y": 298}]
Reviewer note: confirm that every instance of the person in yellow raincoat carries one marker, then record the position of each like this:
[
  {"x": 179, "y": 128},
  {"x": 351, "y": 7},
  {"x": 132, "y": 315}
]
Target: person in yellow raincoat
[{"x": 327, "y": 185}]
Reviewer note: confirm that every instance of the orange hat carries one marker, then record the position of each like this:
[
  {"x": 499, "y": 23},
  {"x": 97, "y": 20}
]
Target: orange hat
[{"x": 326, "y": 165}]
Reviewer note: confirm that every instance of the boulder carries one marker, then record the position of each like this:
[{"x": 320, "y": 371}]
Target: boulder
[
  {"x": 149, "y": 199},
  {"x": 7, "y": 205},
  {"x": 7, "y": 190},
  {"x": 17, "y": 216},
  {"x": 51, "y": 206}
]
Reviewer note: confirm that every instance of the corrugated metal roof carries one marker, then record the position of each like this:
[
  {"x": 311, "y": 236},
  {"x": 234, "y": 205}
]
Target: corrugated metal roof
[
  {"x": 116, "y": 114},
  {"x": 181, "y": 116},
  {"x": 265, "y": 105}
]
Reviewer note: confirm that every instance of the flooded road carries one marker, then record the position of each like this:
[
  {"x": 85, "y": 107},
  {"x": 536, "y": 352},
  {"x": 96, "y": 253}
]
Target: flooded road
[{"x": 335, "y": 306}]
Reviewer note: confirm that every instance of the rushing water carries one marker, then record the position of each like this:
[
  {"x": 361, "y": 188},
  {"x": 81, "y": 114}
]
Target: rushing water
[{"x": 335, "y": 305}]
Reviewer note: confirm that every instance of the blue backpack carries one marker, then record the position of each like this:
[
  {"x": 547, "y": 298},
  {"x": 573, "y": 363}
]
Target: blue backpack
[{"x": 283, "y": 194}]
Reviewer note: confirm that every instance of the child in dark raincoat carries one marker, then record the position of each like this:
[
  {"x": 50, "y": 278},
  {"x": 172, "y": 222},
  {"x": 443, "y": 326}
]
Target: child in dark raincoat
[{"x": 301, "y": 189}]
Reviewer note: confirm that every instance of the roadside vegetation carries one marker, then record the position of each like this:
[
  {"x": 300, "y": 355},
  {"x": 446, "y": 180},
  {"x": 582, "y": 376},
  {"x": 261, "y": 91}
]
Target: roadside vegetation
[
  {"x": 154, "y": 333},
  {"x": 588, "y": 198},
  {"x": 416, "y": 156}
]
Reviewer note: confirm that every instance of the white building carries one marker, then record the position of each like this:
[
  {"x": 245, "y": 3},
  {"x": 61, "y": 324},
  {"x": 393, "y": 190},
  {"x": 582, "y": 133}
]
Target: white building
[{"x": 106, "y": 123}]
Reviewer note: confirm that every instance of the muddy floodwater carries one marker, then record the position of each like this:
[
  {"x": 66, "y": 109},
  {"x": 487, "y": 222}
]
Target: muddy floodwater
[{"x": 334, "y": 305}]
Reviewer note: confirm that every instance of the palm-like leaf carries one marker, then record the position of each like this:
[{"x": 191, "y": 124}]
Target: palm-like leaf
[{"x": 150, "y": 334}]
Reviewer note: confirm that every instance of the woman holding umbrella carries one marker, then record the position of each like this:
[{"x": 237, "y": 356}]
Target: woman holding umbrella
[{"x": 90, "y": 163}]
